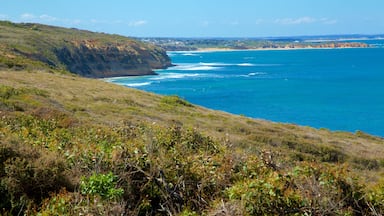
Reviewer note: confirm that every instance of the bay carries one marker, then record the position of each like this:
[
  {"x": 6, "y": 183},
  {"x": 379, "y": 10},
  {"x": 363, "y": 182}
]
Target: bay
[{"x": 338, "y": 89}]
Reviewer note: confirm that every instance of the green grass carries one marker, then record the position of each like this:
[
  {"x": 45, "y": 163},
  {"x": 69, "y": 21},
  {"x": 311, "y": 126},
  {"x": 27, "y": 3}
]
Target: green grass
[{"x": 161, "y": 154}]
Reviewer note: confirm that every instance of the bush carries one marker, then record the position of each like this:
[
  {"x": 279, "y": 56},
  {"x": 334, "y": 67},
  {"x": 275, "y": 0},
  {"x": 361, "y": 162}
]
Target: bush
[
  {"x": 376, "y": 199},
  {"x": 266, "y": 195},
  {"x": 174, "y": 100},
  {"x": 308, "y": 189},
  {"x": 103, "y": 185},
  {"x": 28, "y": 175}
]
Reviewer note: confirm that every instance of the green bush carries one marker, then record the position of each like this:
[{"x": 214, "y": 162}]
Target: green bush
[
  {"x": 101, "y": 184},
  {"x": 266, "y": 195},
  {"x": 376, "y": 199},
  {"x": 308, "y": 189},
  {"x": 174, "y": 100}
]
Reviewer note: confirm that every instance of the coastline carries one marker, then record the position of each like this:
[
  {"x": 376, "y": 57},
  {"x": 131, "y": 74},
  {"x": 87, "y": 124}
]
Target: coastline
[
  {"x": 267, "y": 49},
  {"x": 202, "y": 50}
]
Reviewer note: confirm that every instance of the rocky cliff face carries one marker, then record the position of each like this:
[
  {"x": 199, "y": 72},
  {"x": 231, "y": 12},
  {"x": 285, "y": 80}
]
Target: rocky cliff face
[
  {"x": 88, "y": 54},
  {"x": 90, "y": 58}
]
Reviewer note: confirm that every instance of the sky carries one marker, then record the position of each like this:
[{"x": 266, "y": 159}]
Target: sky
[{"x": 203, "y": 18}]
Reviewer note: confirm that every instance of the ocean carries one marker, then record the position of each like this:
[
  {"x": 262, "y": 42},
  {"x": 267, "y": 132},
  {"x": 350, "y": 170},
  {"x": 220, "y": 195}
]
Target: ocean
[{"x": 337, "y": 89}]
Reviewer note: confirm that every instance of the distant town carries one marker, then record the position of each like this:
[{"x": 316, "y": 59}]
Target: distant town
[{"x": 301, "y": 42}]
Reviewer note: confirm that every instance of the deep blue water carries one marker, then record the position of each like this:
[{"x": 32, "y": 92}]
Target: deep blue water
[{"x": 339, "y": 89}]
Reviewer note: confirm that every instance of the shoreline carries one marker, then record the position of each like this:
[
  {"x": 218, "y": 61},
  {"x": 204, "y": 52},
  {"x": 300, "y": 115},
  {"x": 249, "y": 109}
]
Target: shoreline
[{"x": 201, "y": 50}]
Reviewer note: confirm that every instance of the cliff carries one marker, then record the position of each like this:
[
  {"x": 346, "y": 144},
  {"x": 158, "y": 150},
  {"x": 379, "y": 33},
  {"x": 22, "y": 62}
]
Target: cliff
[{"x": 89, "y": 54}]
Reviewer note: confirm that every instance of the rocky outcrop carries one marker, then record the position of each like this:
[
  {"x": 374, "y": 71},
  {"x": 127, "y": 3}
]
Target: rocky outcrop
[
  {"x": 90, "y": 58},
  {"x": 86, "y": 53}
]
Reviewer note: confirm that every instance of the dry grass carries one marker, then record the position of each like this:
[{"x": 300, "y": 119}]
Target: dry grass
[
  {"x": 95, "y": 101},
  {"x": 164, "y": 154}
]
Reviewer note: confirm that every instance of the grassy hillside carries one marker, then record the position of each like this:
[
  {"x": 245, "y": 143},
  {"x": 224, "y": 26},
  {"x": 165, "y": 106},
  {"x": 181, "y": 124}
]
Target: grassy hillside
[
  {"x": 29, "y": 46},
  {"x": 71, "y": 145}
]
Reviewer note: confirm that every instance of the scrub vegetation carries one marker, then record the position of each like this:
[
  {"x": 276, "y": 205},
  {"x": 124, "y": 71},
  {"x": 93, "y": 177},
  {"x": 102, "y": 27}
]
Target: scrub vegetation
[{"x": 77, "y": 146}]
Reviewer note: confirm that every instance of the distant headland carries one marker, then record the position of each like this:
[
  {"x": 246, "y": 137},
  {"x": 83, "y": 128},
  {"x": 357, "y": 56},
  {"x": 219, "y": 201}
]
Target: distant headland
[{"x": 304, "y": 42}]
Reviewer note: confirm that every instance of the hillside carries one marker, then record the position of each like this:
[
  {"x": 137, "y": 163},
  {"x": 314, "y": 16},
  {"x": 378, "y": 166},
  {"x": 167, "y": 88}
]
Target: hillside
[
  {"x": 35, "y": 46},
  {"x": 122, "y": 151},
  {"x": 71, "y": 145}
]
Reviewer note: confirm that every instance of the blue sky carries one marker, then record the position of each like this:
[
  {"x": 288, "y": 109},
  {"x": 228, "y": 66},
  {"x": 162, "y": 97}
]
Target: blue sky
[{"x": 203, "y": 18}]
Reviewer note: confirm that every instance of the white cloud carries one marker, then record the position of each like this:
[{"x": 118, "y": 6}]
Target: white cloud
[
  {"x": 47, "y": 18},
  {"x": 4, "y": 16},
  {"x": 328, "y": 21},
  {"x": 73, "y": 22},
  {"x": 27, "y": 17},
  {"x": 305, "y": 20},
  {"x": 138, "y": 23},
  {"x": 96, "y": 21},
  {"x": 295, "y": 21}
]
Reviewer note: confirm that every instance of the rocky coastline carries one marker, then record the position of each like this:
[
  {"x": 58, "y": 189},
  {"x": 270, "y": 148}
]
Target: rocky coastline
[{"x": 28, "y": 46}]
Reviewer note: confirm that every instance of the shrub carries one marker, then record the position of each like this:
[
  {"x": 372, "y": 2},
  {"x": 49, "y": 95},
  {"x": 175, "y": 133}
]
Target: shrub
[
  {"x": 375, "y": 198},
  {"x": 308, "y": 189},
  {"x": 73, "y": 203},
  {"x": 328, "y": 189},
  {"x": 30, "y": 175},
  {"x": 103, "y": 185},
  {"x": 266, "y": 195},
  {"x": 174, "y": 100}
]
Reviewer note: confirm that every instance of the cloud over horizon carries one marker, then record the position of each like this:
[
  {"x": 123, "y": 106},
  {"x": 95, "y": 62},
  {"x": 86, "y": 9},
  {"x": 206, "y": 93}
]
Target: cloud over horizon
[
  {"x": 138, "y": 23},
  {"x": 304, "y": 20},
  {"x": 4, "y": 16},
  {"x": 48, "y": 19}
]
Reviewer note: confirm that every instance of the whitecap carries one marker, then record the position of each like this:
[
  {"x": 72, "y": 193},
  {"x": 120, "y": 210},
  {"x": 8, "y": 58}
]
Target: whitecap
[
  {"x": 174, "y": 76},
  {"x": 245, "y": 65},
  {"x": 189, "y": 54},
  {"x": 266, "y": 65},
  {"x": 214, "y": 64},
  {"x": 137, "y": 84},
  {"x": 195, "y": 67},
  {"x": 202, "y": 68},
  {"x": 257, "y": 73},
  {"x": 254, "y": 74}
]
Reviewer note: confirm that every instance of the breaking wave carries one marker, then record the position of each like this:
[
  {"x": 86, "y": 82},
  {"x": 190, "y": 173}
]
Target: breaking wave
[
  {"x": 164, "y": 76},
  {"x": 138, "y": 84}
]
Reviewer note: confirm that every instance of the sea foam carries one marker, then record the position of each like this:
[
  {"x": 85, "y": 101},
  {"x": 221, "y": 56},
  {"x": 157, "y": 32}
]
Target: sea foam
[
  {"x": 195, "y": 67},
  {"x": 165, "y": 76},
  {"x": 137, "y": 84}
]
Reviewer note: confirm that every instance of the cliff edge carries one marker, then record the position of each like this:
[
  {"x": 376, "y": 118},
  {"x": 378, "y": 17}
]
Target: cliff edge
[{"x": 89, "y": 54}]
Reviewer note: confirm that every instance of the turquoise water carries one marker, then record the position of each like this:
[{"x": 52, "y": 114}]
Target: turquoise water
[{"x": 339, "y": 89}]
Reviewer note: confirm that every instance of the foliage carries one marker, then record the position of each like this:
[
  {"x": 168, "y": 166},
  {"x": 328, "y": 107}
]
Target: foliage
[
  {"x": 28, "y": 175},
  {"x": 174, "y": 100},
  {"x": 101, "y": 184},
  {"x": 102, "y": 159},
  {"x": 308, "y": 189}
]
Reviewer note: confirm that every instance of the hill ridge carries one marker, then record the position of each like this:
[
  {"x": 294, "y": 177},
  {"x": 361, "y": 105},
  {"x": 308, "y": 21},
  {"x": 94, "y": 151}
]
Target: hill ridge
[{"x": 89, "y": 54}]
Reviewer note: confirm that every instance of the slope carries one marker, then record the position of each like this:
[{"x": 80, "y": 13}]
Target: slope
[
  {"x": 35, "y": 46},
  {"x": 181, "y": 157}
]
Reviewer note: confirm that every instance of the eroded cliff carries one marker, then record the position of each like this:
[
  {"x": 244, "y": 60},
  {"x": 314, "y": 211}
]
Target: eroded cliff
[
  {"x": 85, "y": 53},
  {"x": 91, "y": 58}
]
